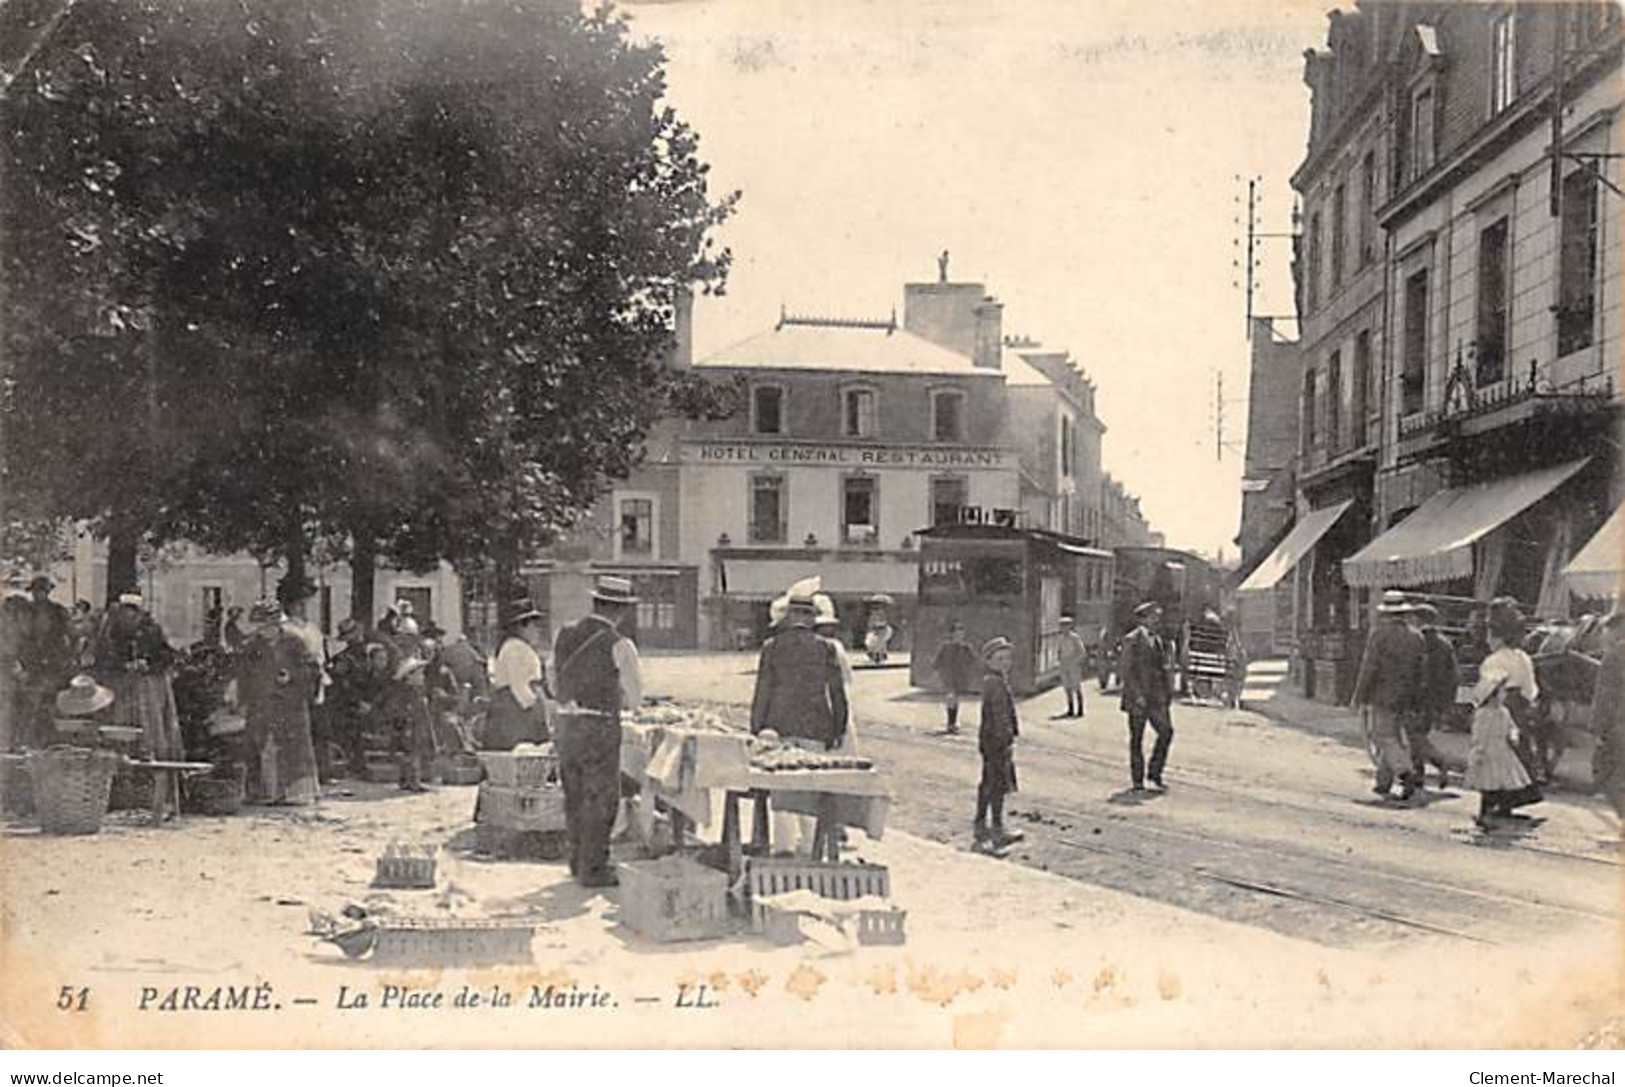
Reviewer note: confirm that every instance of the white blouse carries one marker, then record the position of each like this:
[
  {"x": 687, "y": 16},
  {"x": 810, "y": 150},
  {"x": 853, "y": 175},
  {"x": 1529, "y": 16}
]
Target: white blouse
[
  {"x": 516, "y": 667},
  {"x": 1512, "y": 669}
]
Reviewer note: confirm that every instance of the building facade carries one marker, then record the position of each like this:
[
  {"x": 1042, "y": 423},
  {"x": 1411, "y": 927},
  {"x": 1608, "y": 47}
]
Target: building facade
[
  {"x": 1265, "y": 603},
  {"x": 1458, "y": 293}
]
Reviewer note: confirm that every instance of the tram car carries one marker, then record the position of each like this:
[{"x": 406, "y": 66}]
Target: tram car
[
  {"x": 1188, "y": 588},
  {"x": 1010, "y": 581}
]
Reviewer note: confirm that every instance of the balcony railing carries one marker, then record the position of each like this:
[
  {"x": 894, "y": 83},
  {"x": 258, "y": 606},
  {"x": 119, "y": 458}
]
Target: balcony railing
[{"x": 1464, "y": 402}]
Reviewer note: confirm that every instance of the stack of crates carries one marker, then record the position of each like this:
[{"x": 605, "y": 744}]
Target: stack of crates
[{"x": 520, "y": 807}]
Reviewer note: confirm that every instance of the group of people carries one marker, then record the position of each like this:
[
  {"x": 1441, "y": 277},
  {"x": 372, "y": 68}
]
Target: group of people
[
  {"x": 1147, "y": 666},
  {"x": 1408, "y": 683}
]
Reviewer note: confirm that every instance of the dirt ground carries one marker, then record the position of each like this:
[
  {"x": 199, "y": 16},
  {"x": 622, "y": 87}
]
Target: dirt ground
[{"x": 1096, "y": 952}]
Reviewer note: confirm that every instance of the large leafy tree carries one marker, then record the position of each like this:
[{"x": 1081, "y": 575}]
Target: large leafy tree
[{"x": 396, "y": 274}]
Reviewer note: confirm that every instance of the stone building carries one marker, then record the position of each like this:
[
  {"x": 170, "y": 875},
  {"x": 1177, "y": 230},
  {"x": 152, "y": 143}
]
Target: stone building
[
  {"x": 1266, "y": 593},
  {"x": 1458, "y": 289}
]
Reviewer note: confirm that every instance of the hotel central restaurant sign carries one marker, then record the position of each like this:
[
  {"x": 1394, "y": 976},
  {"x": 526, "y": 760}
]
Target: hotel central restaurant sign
[{"x": 781, "y": 454}]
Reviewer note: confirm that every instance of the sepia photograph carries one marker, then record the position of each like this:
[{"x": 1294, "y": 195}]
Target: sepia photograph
[{"x": 811, "y": 525}]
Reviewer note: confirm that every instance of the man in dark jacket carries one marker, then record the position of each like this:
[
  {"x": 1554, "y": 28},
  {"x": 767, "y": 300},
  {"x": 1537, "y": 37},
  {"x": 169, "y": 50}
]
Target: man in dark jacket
[
  {"x": 1390, "y": 688},
  {"x": 1439, "y": 682},
  {"x": 955, "y": 666},
  {"x": 598, "y": 671},
  {"x": 996, "y": 741},
  {"x": 1147, "y": 695},
  {"x": 43, "y": 652},
  {"x": 354, "y": 696},
  {"x": 799, "y": 693}
]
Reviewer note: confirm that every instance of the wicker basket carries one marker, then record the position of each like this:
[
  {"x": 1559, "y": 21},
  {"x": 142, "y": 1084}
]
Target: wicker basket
[
  {"x": 520, "y": 809},
  {"x": 461, "y": 770},
  {"x": 520, "y": 771},
  {"x": 674, "y": 898},
  {"x": 71, "y": 787},
  {"x": 221, "y": 793},
  {"x": 452, "y": 943}
]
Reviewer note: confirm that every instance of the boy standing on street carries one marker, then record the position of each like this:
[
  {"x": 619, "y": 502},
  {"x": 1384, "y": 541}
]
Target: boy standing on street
[
  {"x": 955, "y": 666},
  {"x": 997, "y": 742}
]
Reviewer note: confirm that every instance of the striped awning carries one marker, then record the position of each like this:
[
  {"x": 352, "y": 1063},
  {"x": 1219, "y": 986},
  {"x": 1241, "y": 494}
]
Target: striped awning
[
  {"x": 1596, "y": 571},
  {"x": 1292, "y": 550},
  {"x": 1435, "y": 543}
]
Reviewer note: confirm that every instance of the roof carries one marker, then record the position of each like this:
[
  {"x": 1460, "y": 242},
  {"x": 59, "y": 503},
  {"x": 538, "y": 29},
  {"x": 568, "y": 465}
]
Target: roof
[
  {"x": 1435, "y": 543},
  {"x": 1019, "y": 373},
  {"x": 851, "y": 347}
]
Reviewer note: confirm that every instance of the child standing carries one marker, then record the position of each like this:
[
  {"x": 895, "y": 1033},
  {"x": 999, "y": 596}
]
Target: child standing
[
  {"x": 997, "y": 742},
  {"x": 1073, "y": 655},
  {"x": 955, "y": 666},
  {"x": 1506, "y": 676}
]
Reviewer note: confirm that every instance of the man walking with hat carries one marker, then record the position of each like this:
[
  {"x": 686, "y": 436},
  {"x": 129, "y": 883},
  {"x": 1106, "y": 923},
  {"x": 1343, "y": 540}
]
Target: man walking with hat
[
  {"x": 598, "y": 671},
  {"x": 1147, "y": 695},
  {"x": 1436, "y": 693},
  {"x": 1389, "y": 687}
]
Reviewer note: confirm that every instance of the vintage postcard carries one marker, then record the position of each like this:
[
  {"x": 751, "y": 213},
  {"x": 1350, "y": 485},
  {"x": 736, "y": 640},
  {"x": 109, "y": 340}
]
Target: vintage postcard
[{"x": 792, "y": 524}]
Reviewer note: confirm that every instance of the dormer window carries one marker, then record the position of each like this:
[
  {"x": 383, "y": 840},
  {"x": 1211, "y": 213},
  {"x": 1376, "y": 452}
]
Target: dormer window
[
  {"x": 1503, "y": 63},
  {"x": 767, "y": 409}
]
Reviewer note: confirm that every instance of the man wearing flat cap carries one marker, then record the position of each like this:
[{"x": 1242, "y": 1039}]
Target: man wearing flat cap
[
  {"x": 1145, "y": 663},
  {"x": 598, "y": 671}
]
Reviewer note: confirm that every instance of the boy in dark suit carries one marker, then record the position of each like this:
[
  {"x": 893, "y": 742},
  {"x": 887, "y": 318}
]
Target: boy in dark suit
[{"x": 997, "y": 741}]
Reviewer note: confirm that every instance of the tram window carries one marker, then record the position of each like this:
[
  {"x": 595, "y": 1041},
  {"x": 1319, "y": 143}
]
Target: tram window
[{"x": 988, "y": 575}]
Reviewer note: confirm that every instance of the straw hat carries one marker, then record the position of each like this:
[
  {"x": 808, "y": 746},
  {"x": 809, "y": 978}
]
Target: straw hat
[
  {"x": 824, "y": 611},
  {"x": 993, "y": 645},
  {"x": 408, "y": 666},
  {"x": 803, "y": 592},
  {"x": 83, "y": 697},
  {"x": 132, "y": 599},
  {"x": 1394, "y": 602},
  {"x": 1146, "y": 609},
  {"x": 614, "y": 590}
]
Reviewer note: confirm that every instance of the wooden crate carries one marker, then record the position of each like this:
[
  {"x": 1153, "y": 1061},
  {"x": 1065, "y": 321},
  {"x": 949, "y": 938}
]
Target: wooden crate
[
  {"x": 674, "y": 898},
  {"x": 520, "y": 771},
  {"x": 843, "y": 880},
  {"x": 520, "y": 809},
  {"x": 405, "y": 873},
  {"x": 451, "y": 943},
  {"x": 871, "y": 927},
  {"x": 519, "y": 845}
]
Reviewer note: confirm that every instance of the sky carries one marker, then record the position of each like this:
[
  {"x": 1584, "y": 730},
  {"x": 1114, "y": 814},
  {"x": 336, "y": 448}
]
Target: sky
[{"x": 1085, "y": 159}]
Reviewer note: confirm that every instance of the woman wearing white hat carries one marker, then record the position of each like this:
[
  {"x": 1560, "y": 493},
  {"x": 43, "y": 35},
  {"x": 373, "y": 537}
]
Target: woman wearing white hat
[{"x": 134, "y": 659}]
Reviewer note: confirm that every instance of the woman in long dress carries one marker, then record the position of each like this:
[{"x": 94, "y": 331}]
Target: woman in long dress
[
  {"x": 276, "y": 682},
  {"x": 1493, "y": 766},
  {"x": 135, "y": 660}
]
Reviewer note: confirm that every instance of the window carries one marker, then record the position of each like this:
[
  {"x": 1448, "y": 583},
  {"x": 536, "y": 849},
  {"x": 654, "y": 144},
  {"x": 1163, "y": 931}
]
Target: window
[
  {"x": 860, "y": 510},
  {"x": 1368, "y": 208},
  {"x": 1414, "y": 360},
  {"x": 949, "y": 494},
  {"x": 1577, "y": 264},
  {"x": 657, "y": 602},
  {"x": 1360, "y": 401},
  {"x": 1334, "y": 401},
  {"x": 1421, "y": 132},
  {"x": 858, "y": 413},
  {"x": 1069, "y": 450},
  {"x": 1503, "y": 64},
  {"x": 1308, "y": 410},
  {"x": 1339, "y": 228},
  {"x": 769, "y": 522},
  {"x": 1311, "y": 288},
  {"x": 637, "y": 516},
  {"x": 767, "y": 409},
  {"x": 1493, "y": 266},
  {"x": 948, "y": 415}
]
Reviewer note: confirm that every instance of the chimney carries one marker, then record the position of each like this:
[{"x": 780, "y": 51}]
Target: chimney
[
  {"x": 988, "y": 353},
  {"x": 682, "y": 327},
  {"x": 944, "y": 313}
]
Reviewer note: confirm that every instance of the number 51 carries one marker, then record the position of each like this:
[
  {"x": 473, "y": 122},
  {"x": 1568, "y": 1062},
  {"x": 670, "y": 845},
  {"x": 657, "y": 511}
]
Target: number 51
[{"x": 71, "y": 1000}]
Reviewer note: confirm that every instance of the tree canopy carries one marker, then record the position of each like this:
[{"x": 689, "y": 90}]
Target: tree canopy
[{"x": 396, "y": 273}]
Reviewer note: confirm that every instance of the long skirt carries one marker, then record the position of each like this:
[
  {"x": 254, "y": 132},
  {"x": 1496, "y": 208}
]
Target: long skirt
[
  {"x": 146, "y": 700},
  {"x": 285, "y": 754}
]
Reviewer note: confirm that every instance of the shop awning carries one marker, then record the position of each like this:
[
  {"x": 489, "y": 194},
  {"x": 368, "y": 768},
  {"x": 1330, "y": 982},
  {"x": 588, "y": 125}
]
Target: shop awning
[
  {"x": 1597, "y": 569},
  {"x": 764, "y": 579},
  {"x": 1291, "y": 551},
  {"x": 1435, "y": 543}
]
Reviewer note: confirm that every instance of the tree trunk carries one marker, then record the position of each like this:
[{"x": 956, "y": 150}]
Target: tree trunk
[
  {"x": 123, "y": 541},
  {"x": 293, "y": 557},
  {"x": 363, "y": 576},
  {"x": 506, "y": 584}
]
